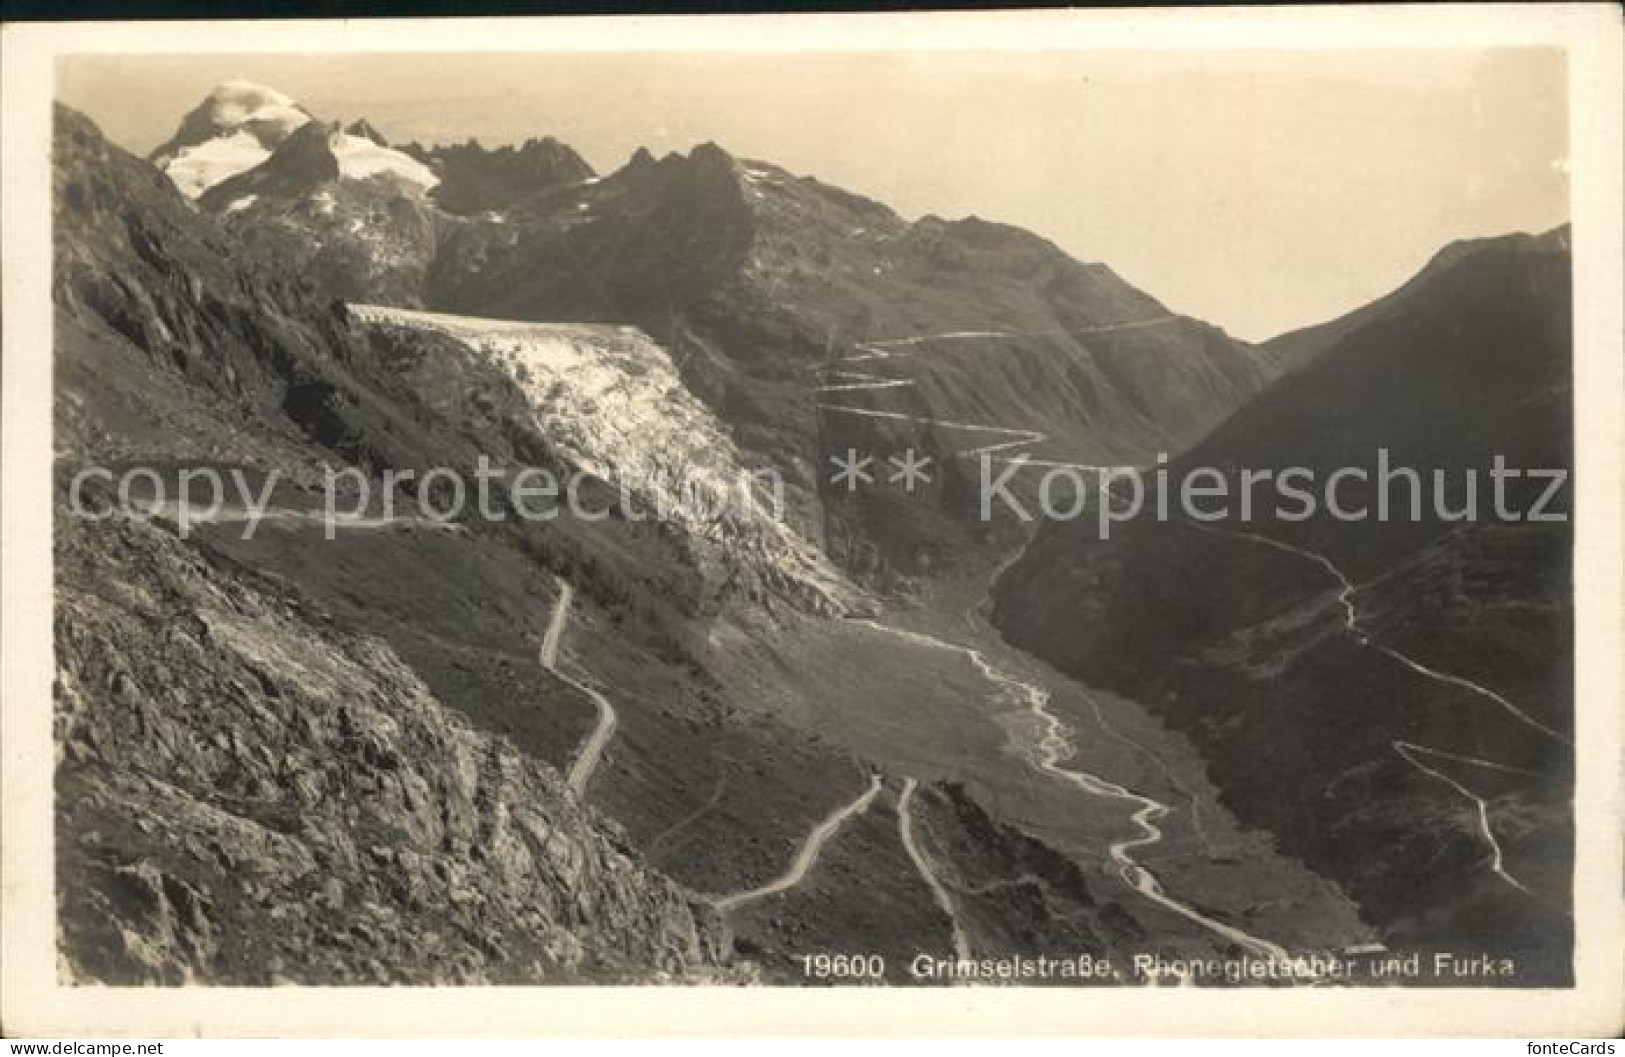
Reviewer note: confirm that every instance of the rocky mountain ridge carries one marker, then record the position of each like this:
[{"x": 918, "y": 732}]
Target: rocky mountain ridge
[
  {"x": 475, "y": 180},
  {"x": 249, "y": 797}
]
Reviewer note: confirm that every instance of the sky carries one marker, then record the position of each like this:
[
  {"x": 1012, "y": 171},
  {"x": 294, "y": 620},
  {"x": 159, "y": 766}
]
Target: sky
[{"x": 1259, "y": 190}]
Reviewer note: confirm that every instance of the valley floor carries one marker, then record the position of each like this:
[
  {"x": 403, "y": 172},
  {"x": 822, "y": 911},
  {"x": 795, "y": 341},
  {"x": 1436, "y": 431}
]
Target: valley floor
[{"x": 988, "y": 760}]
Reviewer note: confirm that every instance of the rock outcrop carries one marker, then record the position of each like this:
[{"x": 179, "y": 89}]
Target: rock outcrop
[{"x": 249, "y": 796}]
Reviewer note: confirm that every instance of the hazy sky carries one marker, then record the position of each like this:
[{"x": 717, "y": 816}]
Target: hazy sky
[{"x": 1259, "y": 190}]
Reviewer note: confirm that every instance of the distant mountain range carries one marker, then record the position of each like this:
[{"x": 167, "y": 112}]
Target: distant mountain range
[{"x": 759, "y": 283}]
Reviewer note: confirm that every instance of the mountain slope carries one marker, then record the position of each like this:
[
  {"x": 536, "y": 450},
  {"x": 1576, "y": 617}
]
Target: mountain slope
[
  {"x": 756, "y": 276},
  {"x": 254, "y": 751},
  {"x": 1296, "y": 349},
  {"x": 814, "y": 320},
  {"x": 249, "y": 797},
  {"x": 1390, "y": 698},
  {"x": 768, "y": 290},
  {"x": 294, "y": 701}
]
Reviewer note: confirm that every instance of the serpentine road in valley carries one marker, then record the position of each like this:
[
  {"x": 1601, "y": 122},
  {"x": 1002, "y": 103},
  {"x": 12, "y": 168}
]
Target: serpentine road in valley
[
  {"x": 839, "y": 379},
  {"x": 1048, "y": 754},
  {"x": 810, "y": 849},
  {"x": 1408, "y": 751},
  {"x": 593, "y": 749},
  {"x": 905, "y": 830}
]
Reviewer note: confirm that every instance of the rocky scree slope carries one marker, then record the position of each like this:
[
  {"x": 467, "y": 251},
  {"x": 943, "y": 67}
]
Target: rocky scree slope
[{"x": 248, "y": 797}]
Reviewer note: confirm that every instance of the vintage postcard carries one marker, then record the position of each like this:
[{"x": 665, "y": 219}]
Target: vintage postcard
[{"x": 1047, "y": 522}]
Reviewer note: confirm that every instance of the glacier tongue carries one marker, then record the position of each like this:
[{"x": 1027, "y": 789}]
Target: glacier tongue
[{"x": 612, "y": 401}]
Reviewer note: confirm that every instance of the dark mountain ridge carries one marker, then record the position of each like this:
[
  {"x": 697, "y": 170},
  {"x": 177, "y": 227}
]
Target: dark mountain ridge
[
  {"x": 1342, "y": 677},
  {"x": 1296, "y": 349},
  {"x": 474, "y": 179}
]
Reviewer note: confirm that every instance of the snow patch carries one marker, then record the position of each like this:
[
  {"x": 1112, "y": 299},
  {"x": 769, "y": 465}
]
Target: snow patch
[
  {"x": 242, "y": 203},
  {"x": 196, "y": 169},
  {"x": 361, "y": 159}
]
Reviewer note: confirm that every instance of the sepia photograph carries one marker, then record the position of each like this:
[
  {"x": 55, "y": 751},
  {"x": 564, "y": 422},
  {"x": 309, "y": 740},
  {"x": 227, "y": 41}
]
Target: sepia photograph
[{"x": 1018, "y": 502}]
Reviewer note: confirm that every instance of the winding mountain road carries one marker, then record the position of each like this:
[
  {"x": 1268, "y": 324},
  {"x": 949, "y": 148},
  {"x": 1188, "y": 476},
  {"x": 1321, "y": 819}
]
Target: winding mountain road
[
  {"x": 1406, "y": 750},
  {"x": 807, "y": 856},
  {"x": 592, "y": 750},
  {"x": 1047, "y": 756},
  {"x": 1347, "y": 589},
  {"x": 1015, "y": 439},
  {"x": 181, "y": 513},
  {"x": 922, "y": 863},
  {"x": 555, "y": 627}
]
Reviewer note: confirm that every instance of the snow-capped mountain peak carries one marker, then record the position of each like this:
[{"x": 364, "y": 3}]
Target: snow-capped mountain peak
[
  {"x": 235, "y": 128},
  {"x": 241, "y": 124},
  {"x": 234, "y": 103}
]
